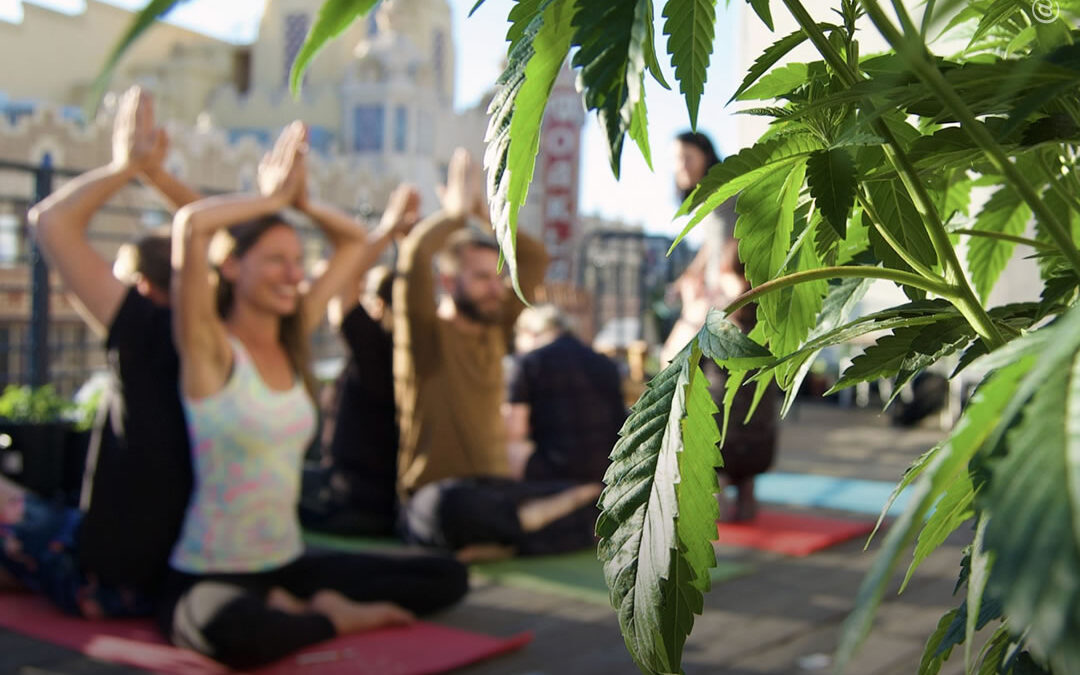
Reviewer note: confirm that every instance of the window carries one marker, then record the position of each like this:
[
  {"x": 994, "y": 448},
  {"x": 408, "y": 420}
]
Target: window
[
  {"x": 368, "y": 125},
  {"x": 425, "y": 133},
  {"x": 401, "y": 128},
  {"x": 296, "y": 28}
]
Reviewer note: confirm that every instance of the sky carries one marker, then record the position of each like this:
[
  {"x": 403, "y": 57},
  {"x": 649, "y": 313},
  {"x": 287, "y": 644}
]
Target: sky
[{"x": 641, "y": 197}]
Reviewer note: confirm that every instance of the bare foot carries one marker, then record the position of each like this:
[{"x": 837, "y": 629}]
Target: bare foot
[
  {"x": 476, "y": 553},
  {"x": 537, "y": 514},
  {"x": 281, "y": 599},
  {"x": 356, "y": 617}
]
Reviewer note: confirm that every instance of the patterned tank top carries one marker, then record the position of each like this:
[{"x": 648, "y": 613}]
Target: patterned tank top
[{"x": 247, "y": 446}]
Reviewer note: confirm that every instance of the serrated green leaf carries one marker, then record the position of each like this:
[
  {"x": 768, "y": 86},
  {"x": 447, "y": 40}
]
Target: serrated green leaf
[
  {"x": 658, "y": 513},
  {"x": 154, "y": 10},
  {"x": 779, "y": 82},
  {"x": 724, "y": 342},
  {"x": 971, "y": 433},
  {"x": 831, "y": 176},
  {"x": 839, "y": 303},
  {"x": 610, "y": 37},
  {"x": 333, "y": 18},
  {"x": 652, "y": 63},
  {"x": 906, "y": 352},
  {"x": 761, "y": 8},
  {"x": 955, "y": 508},
  {"x": 639, "y": 130},
  {"x": 997, "y": 13},
  {"x": 901, "y": 219},
  {"x": 540, "y": 41},
  {"x": 690, "y": 27},
  {"x": 980, "y": 563},
  {"x": 740, "y": 170},
  {"x": 1005, "y": 213},
  {"x": 932, "y": 661},
  {"x": 1031, "y": 529},
  {"x": 772, "y": 54}
]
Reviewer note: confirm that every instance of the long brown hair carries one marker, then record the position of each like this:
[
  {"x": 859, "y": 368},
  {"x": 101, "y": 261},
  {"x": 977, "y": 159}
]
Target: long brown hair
[{"x": 236, "y": 241}]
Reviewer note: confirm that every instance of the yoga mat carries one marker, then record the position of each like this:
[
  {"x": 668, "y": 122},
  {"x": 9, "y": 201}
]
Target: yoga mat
[
  {"x": 790, "y": 533},
  {"x": 335, "y": 542},
  {"x": 420, "y": 649},
  {"x": 828, "y": 492},
  {"x": 579, "y": 575}
]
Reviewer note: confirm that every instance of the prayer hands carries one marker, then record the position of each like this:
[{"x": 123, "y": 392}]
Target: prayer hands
[
  {"x": 137, "y": 144},
  {"x": 283, "y": 170}
]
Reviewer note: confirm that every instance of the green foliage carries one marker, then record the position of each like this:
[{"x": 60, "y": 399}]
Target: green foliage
[
  {"x": 831, "y": 177},
  {"x": 154, "y": 10},
  {"x": 690, "y": 30},
  {"x": 611, "y": 61},
  {"x": 539, "y": 42},
  {"x": 34, "y": 405},
  {"x": 334, "y": 17},
  {"x": 866, "y": 158},
  {"x": 658, "y": 510}
]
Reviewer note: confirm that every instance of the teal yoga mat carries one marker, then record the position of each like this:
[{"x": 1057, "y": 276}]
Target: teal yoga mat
[
  {"x": 577, "y": 575},
  {"x": 828, "y": 492}
]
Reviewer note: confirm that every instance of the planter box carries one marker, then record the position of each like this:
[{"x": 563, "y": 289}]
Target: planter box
[{"x": 45, "y": 458}]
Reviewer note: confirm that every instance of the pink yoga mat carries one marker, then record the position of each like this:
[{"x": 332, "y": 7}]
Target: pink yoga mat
[
  {"x": 420, "y": 649},
  {"x": 790, "y": 533}
]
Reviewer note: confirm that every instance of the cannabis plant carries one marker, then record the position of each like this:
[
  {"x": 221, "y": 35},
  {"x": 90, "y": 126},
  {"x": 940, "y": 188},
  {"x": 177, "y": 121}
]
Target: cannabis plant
[{"x": 871, "y": 169}]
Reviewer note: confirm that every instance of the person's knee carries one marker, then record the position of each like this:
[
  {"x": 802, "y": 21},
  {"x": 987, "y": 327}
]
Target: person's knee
[{"x": 219, "y": 620}]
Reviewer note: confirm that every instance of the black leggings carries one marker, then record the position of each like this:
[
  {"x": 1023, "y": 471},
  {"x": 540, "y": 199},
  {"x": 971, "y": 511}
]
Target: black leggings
[
  {"x": 456, "y": 512},
  {"x": 225, "y": 616}
]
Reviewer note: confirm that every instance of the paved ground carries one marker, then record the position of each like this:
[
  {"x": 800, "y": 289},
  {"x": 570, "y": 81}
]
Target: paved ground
[{"x": 784, "y": 618}]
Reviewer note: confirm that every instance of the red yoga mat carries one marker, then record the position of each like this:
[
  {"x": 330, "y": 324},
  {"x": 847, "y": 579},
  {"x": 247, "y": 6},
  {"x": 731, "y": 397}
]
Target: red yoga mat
[
  {"x": 420, "y": 649},
  {"x": 790, "y": 533}
]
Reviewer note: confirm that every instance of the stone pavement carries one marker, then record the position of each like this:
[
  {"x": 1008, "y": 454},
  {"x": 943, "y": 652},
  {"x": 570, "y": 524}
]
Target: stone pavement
[{"x": 783, "y": 618}]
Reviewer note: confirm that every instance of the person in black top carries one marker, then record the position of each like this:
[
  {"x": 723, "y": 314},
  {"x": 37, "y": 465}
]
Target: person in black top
[
  {"x": 565, "y": 398},
  {"x": 360, "y": 434},
  {"x": 114, "y": 556}
]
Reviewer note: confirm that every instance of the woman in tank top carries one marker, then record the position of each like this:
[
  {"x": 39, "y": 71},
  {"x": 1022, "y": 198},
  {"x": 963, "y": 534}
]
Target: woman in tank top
[{"x": 242, "y": 589}]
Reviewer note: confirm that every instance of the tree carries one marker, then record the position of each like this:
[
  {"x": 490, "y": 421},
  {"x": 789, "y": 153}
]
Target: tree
[{"x": 866, "y": 172}]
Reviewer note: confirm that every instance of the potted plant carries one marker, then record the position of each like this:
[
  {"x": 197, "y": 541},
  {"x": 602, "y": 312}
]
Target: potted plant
[{"x": 43, "y": 439}]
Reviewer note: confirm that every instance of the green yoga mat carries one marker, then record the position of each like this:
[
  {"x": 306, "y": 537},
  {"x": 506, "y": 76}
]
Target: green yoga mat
[{"x": 576, "y": 575}]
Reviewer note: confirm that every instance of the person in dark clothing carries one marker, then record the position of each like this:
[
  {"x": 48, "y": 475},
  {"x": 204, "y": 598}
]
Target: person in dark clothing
[
  {"x": 565, "y": 398},
  {"x": 360, "y": 434},
  {"x": 713, "y": 279},
  {"x": 112, "y": 559}
]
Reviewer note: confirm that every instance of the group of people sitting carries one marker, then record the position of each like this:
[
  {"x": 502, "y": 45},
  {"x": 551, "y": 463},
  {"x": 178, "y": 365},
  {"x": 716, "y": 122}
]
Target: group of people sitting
[{"x": 190, "y": 499}]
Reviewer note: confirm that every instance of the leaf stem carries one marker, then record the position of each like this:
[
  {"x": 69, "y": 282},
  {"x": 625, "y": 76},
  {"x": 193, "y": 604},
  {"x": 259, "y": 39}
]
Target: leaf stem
[
  {"x": 941, "y": 288},
  {"x": 1041, "y": 245},
  {"x": 916, "y": 57},
  {"x": 892, "y": 241}
]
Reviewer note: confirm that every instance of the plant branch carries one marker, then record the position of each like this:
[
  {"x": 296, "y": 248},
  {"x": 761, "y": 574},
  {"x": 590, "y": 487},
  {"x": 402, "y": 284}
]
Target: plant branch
[
  {"x": 858, "y": 271},
  {"x": 1041, "y": 245},
  {"x": 892, "y": 241},
  {"x": 965, "y": 299},
  {"x": 916, "y": 57}
]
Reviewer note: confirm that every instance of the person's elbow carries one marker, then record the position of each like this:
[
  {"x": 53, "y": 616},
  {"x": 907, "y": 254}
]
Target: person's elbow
[{"x": 42, "y": 222}]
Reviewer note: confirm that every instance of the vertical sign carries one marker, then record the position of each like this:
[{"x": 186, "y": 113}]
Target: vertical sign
[{"x": 560, "y": 159}]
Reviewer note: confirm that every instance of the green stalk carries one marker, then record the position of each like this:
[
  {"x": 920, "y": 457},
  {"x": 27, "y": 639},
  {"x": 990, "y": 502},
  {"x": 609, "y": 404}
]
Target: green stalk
[
  {"x": 964, "y": 297},
  {"x": 1039, "y": 245},
  {"x": 858, "y": 271},
  {"x": 916, "y": 58},
  {"x": 906, "y": 256}
]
